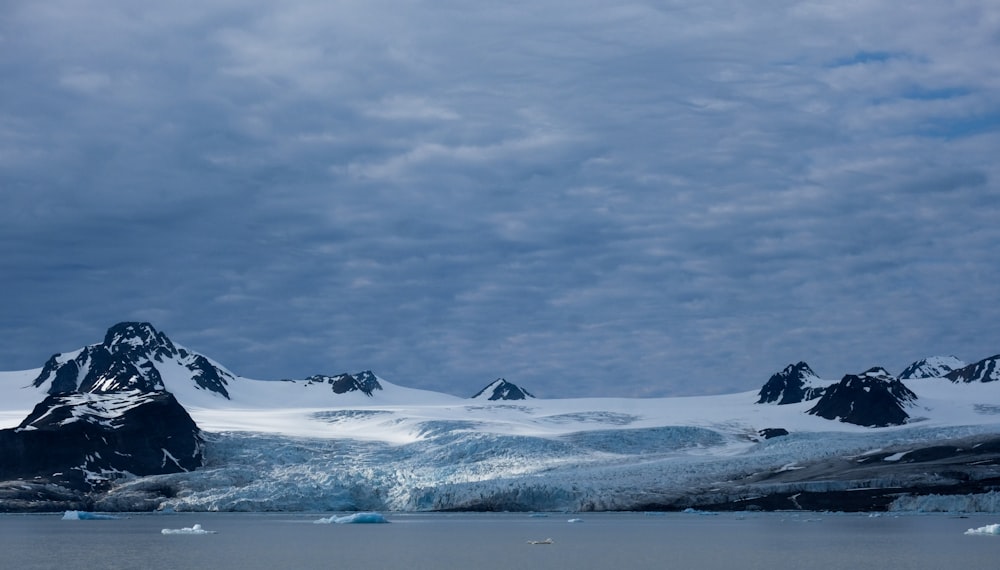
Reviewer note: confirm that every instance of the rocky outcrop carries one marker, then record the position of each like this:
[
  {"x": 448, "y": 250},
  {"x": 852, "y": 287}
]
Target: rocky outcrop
[
  {"x": 986, "y": 370},
  {"x": 873, "y": 399},
  {"x": 796, "y": 383},
  {"x": 84, "y": 440},
  {"x": 501, "y": 389},
  {"x": 365, "y": 382}
]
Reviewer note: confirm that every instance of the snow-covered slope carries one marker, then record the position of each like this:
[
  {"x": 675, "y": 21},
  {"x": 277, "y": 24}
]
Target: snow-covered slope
[
  {"x": 301, "y": 445},
  {"x": 933, "y": 367}
]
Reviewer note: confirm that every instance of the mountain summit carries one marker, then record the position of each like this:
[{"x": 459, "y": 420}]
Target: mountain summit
[
  {"x": 501, "y": 389},
  {"x": 108, "y": 413},
  {"x": 796, "y": 383},
  {"x": 933, "y": 367},
  {"x": 873, "y": 398},
  {"x": 133, "y": 356}
]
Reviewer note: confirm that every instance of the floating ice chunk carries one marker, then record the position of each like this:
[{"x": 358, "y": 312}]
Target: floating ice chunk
[
  {"x": 85, "y": 516},
  {"x": 990, "y": 529},
  {"x": 546, "y": 541},
  {"x": 575, "y": 520},
  {"x": 691, "y": 511},
  {"x": 356, "y": 518},
  {"x": 196, "y": 529}
]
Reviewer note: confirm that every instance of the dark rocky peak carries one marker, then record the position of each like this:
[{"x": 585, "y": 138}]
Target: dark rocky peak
[
  {"x": 501, "y": 389},
  {"x": 933, "y": 367},
  {"x": 873, "y": 398},
  {"x": 796, "y": 383},
  {"x": 139, "y": 339},
  {"x": 128, "y": 360},
  {"x": 986, "y": 370},
  {"x": 365, "y": 382}
]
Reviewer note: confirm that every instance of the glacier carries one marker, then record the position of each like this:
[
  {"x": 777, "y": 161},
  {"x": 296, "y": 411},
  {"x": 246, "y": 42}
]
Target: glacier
[
  {"x": 479, "y": 471},
  {"x": 315, "y": 445}
]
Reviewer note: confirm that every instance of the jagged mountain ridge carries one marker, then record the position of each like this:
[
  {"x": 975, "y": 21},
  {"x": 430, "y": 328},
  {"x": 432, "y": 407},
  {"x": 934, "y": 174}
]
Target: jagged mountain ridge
[
  {"x": 873, "y": 398},
  {"x": 328, "y": 451},
  {"x": 365, "y": 382},
  {"x": 128, "y": 359},
  {"x": 986, "y": 370},
  {"x": 796, "y": 383},
  {"x": 932, "y": 367}
]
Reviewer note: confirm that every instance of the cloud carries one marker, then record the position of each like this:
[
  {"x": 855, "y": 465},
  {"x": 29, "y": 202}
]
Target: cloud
[{"x": 642, "y": 199}]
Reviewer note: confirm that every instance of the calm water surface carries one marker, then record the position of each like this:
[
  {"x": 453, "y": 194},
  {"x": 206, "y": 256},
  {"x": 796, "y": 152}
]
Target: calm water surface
[{"x": 487, "y": 541}]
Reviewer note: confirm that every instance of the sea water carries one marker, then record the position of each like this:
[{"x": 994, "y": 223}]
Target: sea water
[{"x": 617, "y": 541}]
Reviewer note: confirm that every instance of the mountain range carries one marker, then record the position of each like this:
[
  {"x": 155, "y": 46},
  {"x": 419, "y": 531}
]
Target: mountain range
[{"x": 137, "y": 422}]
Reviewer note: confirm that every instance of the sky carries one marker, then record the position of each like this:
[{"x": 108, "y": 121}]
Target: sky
[{"x": 633, "y": 199}]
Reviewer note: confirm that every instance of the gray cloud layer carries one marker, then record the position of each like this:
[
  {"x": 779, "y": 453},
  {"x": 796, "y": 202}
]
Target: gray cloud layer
[{"x": 653, "y": 198}]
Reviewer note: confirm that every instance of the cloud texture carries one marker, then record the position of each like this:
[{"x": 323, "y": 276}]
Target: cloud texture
[{"x": 650, "y": 198}]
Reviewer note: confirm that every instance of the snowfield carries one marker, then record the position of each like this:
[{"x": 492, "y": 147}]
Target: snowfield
[{"x": 297, "y": 446}]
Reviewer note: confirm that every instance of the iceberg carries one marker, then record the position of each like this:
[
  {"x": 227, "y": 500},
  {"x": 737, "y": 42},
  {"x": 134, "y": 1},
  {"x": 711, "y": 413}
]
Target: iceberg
[
  {"x": 86, "y": 516},
  {"x": 356, "y": 518},
  {"x": 196, "y": 529},
  {"x": 990, "y": 529}
]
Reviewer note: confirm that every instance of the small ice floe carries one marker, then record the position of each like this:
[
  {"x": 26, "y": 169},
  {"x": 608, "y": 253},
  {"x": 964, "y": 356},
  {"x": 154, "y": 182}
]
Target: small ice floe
[
  {"x": 196, "y": 529},
  {"x": 85, "y": 516},
  {"x": 691, "y": 511},
  {"x": 990, "y": 529},
  {"x": 546, "y": 541},
  {"x": 356, "y": 518},
  {"x": 575, "y": 521}
]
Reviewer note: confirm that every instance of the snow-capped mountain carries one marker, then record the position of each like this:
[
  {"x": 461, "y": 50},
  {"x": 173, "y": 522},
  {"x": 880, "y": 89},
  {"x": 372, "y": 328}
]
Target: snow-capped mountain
[
  {"x": 501, "y": 389},
  {"x": 933, "y": 367},
  {"x": 333, "y": 443},
  {"x": 986, "y": 370},
  {"x": 796, "y": 383},
  {"x": 873, "y": 398},
  {"x": 131, "y": 358}
]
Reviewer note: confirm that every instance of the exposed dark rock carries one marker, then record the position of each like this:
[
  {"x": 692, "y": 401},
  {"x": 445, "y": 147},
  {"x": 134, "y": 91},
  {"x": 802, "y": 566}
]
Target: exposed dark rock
[
  {"x": 986, "y": 370},
  {"x": 871, "y": 482},
  {"x": 82, "y": 441},
  {"x": 501, "y": 389},
  {"x": 128, "y": 360},
  {"x": 365, "y": 382},
  {"x": 768, "y": 433},
  {"x": 791, "y": 386},
  {"x": 873, "y": 399}
]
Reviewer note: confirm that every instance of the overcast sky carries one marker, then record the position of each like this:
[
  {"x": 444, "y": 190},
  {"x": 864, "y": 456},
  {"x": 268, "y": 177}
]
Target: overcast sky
[{"x": 589, "y": 199}]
